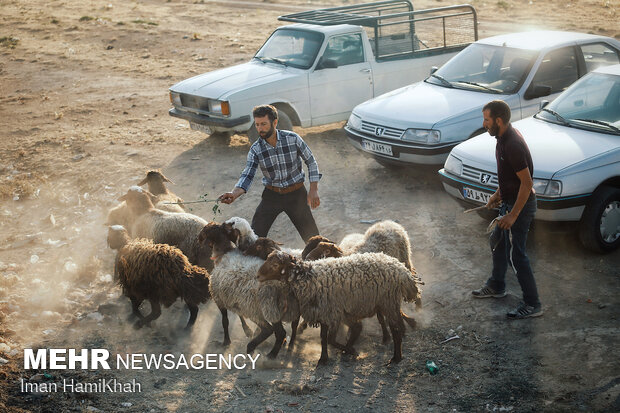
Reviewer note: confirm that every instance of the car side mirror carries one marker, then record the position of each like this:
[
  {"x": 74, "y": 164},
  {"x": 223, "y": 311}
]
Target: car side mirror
[
  {"x": 434, "y": 69},
  {"x": 537, "y": 91},
  {"x": 325, "y": 63},
  {"x": 543, "y": 104}
]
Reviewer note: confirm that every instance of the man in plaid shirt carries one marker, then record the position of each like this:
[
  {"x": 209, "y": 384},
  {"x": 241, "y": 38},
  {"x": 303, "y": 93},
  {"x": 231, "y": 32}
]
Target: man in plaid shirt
[{"x": 279, "y": 153}]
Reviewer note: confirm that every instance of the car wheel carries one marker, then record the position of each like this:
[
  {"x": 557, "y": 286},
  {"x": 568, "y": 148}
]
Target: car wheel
[
  {"x": 599, "y": 228},
  {"x": 284, "y": 123}
]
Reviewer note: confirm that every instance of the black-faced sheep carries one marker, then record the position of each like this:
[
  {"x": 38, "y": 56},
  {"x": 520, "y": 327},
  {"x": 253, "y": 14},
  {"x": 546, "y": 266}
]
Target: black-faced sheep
[
  {"x": 178, "y": 229},
  {"x": 234, "y": 287},
  {"x": 346, "y": 290},
  {"x": 158, "y": 273}
]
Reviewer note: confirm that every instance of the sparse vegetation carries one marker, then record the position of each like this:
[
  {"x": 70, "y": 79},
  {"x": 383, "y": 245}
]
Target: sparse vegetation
[
  {"x": 503, "y": 4},
  {"x": 86, "y": 18},
  {"x": 55, "y": 21},
  {"x": 9, "y": 41},
  {"x": 140, "y": 21}
]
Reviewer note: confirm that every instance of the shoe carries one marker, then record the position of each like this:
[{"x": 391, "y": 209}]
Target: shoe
[
  {"x": 525, "y": 311},
  {"x": 488, "y": 292}
]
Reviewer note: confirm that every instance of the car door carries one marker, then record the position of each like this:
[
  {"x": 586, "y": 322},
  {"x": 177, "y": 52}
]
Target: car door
[
  {"x": 557, "y": 70},
  {"x": 335, "y": 91}
]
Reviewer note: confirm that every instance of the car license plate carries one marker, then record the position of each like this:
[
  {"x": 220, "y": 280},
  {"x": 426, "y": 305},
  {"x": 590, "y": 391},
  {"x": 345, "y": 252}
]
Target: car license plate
[
  {"x": 377, "y": 147},
  {"x": 202, "y": 128},
  {"x": 476, "y": 195}
]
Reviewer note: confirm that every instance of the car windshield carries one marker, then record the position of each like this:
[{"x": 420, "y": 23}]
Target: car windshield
[
  {"x": 486, "y": 68},
  {"x": 592, "y": 103},
  {"x": 288, "y": 47}
]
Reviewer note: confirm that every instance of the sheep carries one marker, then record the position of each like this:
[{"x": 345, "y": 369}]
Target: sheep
[
  {"x": 159, "y": 273},
  {"x": 165, "y": 199},
  {"x": 346, "y": 290},
  {"x": 262, "y": 247},
  {"x": 178, "y": 229},
  {"x": 242, "y": 234},
  {"x": 234, "y": 287},
  {"x": 162, "y": 199}
]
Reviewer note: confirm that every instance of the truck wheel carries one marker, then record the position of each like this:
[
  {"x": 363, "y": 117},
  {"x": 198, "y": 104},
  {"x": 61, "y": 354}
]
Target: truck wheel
[
  {"x": 599, "y": 228},
  {"x": 284, "y": 123}
]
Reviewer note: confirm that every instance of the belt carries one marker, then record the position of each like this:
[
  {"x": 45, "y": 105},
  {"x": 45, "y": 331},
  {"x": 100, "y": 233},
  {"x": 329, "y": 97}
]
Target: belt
[{"x": 286, "y": 190}]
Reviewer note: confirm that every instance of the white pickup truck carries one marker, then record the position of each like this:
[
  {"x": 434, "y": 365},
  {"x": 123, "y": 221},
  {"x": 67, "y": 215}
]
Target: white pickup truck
[{"x": 318, "y": 69}]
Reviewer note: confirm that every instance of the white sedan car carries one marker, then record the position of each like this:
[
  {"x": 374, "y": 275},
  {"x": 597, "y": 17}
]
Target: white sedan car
[
  {"x": 575, "y": 147},
  {"x": 422, "y": 122}
]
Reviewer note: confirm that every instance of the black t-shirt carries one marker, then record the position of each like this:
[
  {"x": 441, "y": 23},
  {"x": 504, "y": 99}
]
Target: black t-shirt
[{"x": 512, "y": 155}]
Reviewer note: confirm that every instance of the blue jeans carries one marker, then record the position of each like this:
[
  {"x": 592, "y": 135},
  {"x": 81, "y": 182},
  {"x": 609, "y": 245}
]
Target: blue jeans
[{"x": 508, "y": 247}]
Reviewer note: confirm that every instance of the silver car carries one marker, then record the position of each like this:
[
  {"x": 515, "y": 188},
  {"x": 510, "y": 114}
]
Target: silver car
[{"x": 575, "y": 147}]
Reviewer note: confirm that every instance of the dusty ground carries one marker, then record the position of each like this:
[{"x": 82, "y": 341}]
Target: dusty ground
[{"x": 83, "y": 115}]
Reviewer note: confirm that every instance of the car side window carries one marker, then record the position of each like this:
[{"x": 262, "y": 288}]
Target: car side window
[
  {"x": 345, "y": 49},
  {"x": 558, "y": 70},
  {"x": 599, "y": 54}
]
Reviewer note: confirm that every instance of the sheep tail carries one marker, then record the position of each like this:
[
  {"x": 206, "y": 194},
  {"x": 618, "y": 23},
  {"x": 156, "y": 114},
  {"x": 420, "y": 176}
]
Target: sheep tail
[{"x": 194, "y": 285}]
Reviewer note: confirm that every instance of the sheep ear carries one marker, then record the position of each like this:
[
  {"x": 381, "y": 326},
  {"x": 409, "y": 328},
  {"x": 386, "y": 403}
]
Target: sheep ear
[
  {"x": 143, "y": 182},
  {"x": 122, "y": 198},
  {"x": 166, "y": 179}
]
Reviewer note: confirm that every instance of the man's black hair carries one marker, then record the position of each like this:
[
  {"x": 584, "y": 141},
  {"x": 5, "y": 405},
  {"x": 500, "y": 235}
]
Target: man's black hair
[
  {"x": 498, "y": 109},
  {"x": 265, "y": 110}
]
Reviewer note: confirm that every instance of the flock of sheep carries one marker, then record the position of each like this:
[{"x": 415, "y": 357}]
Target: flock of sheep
[{"x": 165, "y": 253}]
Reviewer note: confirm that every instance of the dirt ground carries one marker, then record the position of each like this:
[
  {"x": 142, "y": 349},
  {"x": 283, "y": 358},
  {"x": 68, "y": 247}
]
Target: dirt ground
[{"x": 83, "y": 115}]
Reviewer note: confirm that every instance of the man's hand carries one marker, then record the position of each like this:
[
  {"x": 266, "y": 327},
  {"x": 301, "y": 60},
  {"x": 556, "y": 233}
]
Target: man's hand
[
  {"x": 229, "y": 197},
  {"x": 494, "y": 201},
  {"x": 507, "y": 221},
  {"x": 313, "y": 196}
]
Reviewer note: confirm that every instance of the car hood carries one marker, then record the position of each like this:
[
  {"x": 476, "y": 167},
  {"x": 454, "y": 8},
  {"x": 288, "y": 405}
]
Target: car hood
[
  {"x": 553, "y": 147},
  {"x": 223, "y": 82},
  {"x": 422, "y": 105}
]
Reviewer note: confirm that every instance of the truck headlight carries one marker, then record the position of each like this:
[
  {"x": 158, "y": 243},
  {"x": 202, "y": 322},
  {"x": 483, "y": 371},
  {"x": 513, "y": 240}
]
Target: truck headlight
[
  {"x": 219, "y": 107},
  {"x": 453, "y": 165},
  {"x": 175, "y": 99},
  {"x": 547, "y": 187},
  {"x": 355, "y": 122},
  {"x": 422, "y": 135}
]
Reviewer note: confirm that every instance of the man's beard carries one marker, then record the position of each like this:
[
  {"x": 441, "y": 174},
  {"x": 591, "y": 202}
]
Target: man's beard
[
  {"x": 267, "y": 134},
  {"x": 494, "y": 129}
]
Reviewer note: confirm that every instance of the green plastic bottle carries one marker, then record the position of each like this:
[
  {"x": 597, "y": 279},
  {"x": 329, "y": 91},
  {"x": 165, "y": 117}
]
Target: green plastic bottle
[{"x": 431, "y": 367}]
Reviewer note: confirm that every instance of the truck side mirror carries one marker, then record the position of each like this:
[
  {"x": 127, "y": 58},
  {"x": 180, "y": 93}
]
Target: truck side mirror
[
  {"x": 537, "y": 91},
  {"x": 325, "y": 63},
  {"x": 543, "y": 104},
  {"x": 434, "y": 69}
]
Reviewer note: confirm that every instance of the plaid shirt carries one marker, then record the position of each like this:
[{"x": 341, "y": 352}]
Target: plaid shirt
[{"x": 281, "y": 165}]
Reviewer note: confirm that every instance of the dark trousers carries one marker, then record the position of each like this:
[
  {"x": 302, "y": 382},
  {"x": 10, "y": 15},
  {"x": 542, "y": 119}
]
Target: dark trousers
[
  {"x": 294, "y": 204},
  {"x": 508, "y": 247}
]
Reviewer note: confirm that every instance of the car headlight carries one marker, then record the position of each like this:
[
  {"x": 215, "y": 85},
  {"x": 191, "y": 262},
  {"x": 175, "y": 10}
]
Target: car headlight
[
  {"x": 175, "y": 99},
  {"x": 219, "y": 107},
  {"x": 355, "y": 122},
  {"x": 547, "y": 187},
  {"x": 453, "y": 165},
  {"x": 422, "y": 135}
]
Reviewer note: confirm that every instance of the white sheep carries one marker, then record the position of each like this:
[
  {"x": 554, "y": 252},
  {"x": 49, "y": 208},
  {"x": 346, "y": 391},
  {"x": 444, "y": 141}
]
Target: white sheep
[
  {"x": 346, "y": 290},
  {"x": 162, "y": 199},
  {"x": 178, "y": 229},
  {"x": 242, "y": 234},
  {"x": 159, "y": 273},
  {"x": 234, "y": 287}
]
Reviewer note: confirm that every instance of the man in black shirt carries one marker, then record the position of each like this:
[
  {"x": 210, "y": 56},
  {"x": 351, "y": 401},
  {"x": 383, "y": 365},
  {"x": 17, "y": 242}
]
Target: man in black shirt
[{"x": 516, "y": 200}]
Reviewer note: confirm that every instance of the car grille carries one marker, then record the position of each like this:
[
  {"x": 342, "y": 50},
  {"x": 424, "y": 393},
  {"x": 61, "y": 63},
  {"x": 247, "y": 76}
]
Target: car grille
[
  {"x": 476, "y": 175},
  {"x": 381, "y": 131},
  {"x": 195, "y": 102}
]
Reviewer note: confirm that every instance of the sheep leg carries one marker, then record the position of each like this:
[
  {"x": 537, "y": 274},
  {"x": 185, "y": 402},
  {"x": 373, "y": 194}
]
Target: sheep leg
[
  {"x": 246, "y": 329},
  {"x": 294, "y": 325},
  {"x": 225, "y": 326},
  {"x": 324, "y": 333},
  {"x": 354, "y": 333},
  {"x": 155, "y": 313},
  {"x": 193, "y": 313},
  {"x": 409, "y": 320},
  {"x": 280, "y": 334},
  {"x": 135, "y": 308},
  {"x": 302, "y": 327},
  {"x": 397, "y": 327},
  {"x": 265, "y": 332},
  {"x": 331, "y": 339},
  {"x": 384, "y": 330}
]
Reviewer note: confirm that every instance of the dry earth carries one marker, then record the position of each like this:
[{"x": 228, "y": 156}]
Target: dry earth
[{"x": 83, "y": 116}]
